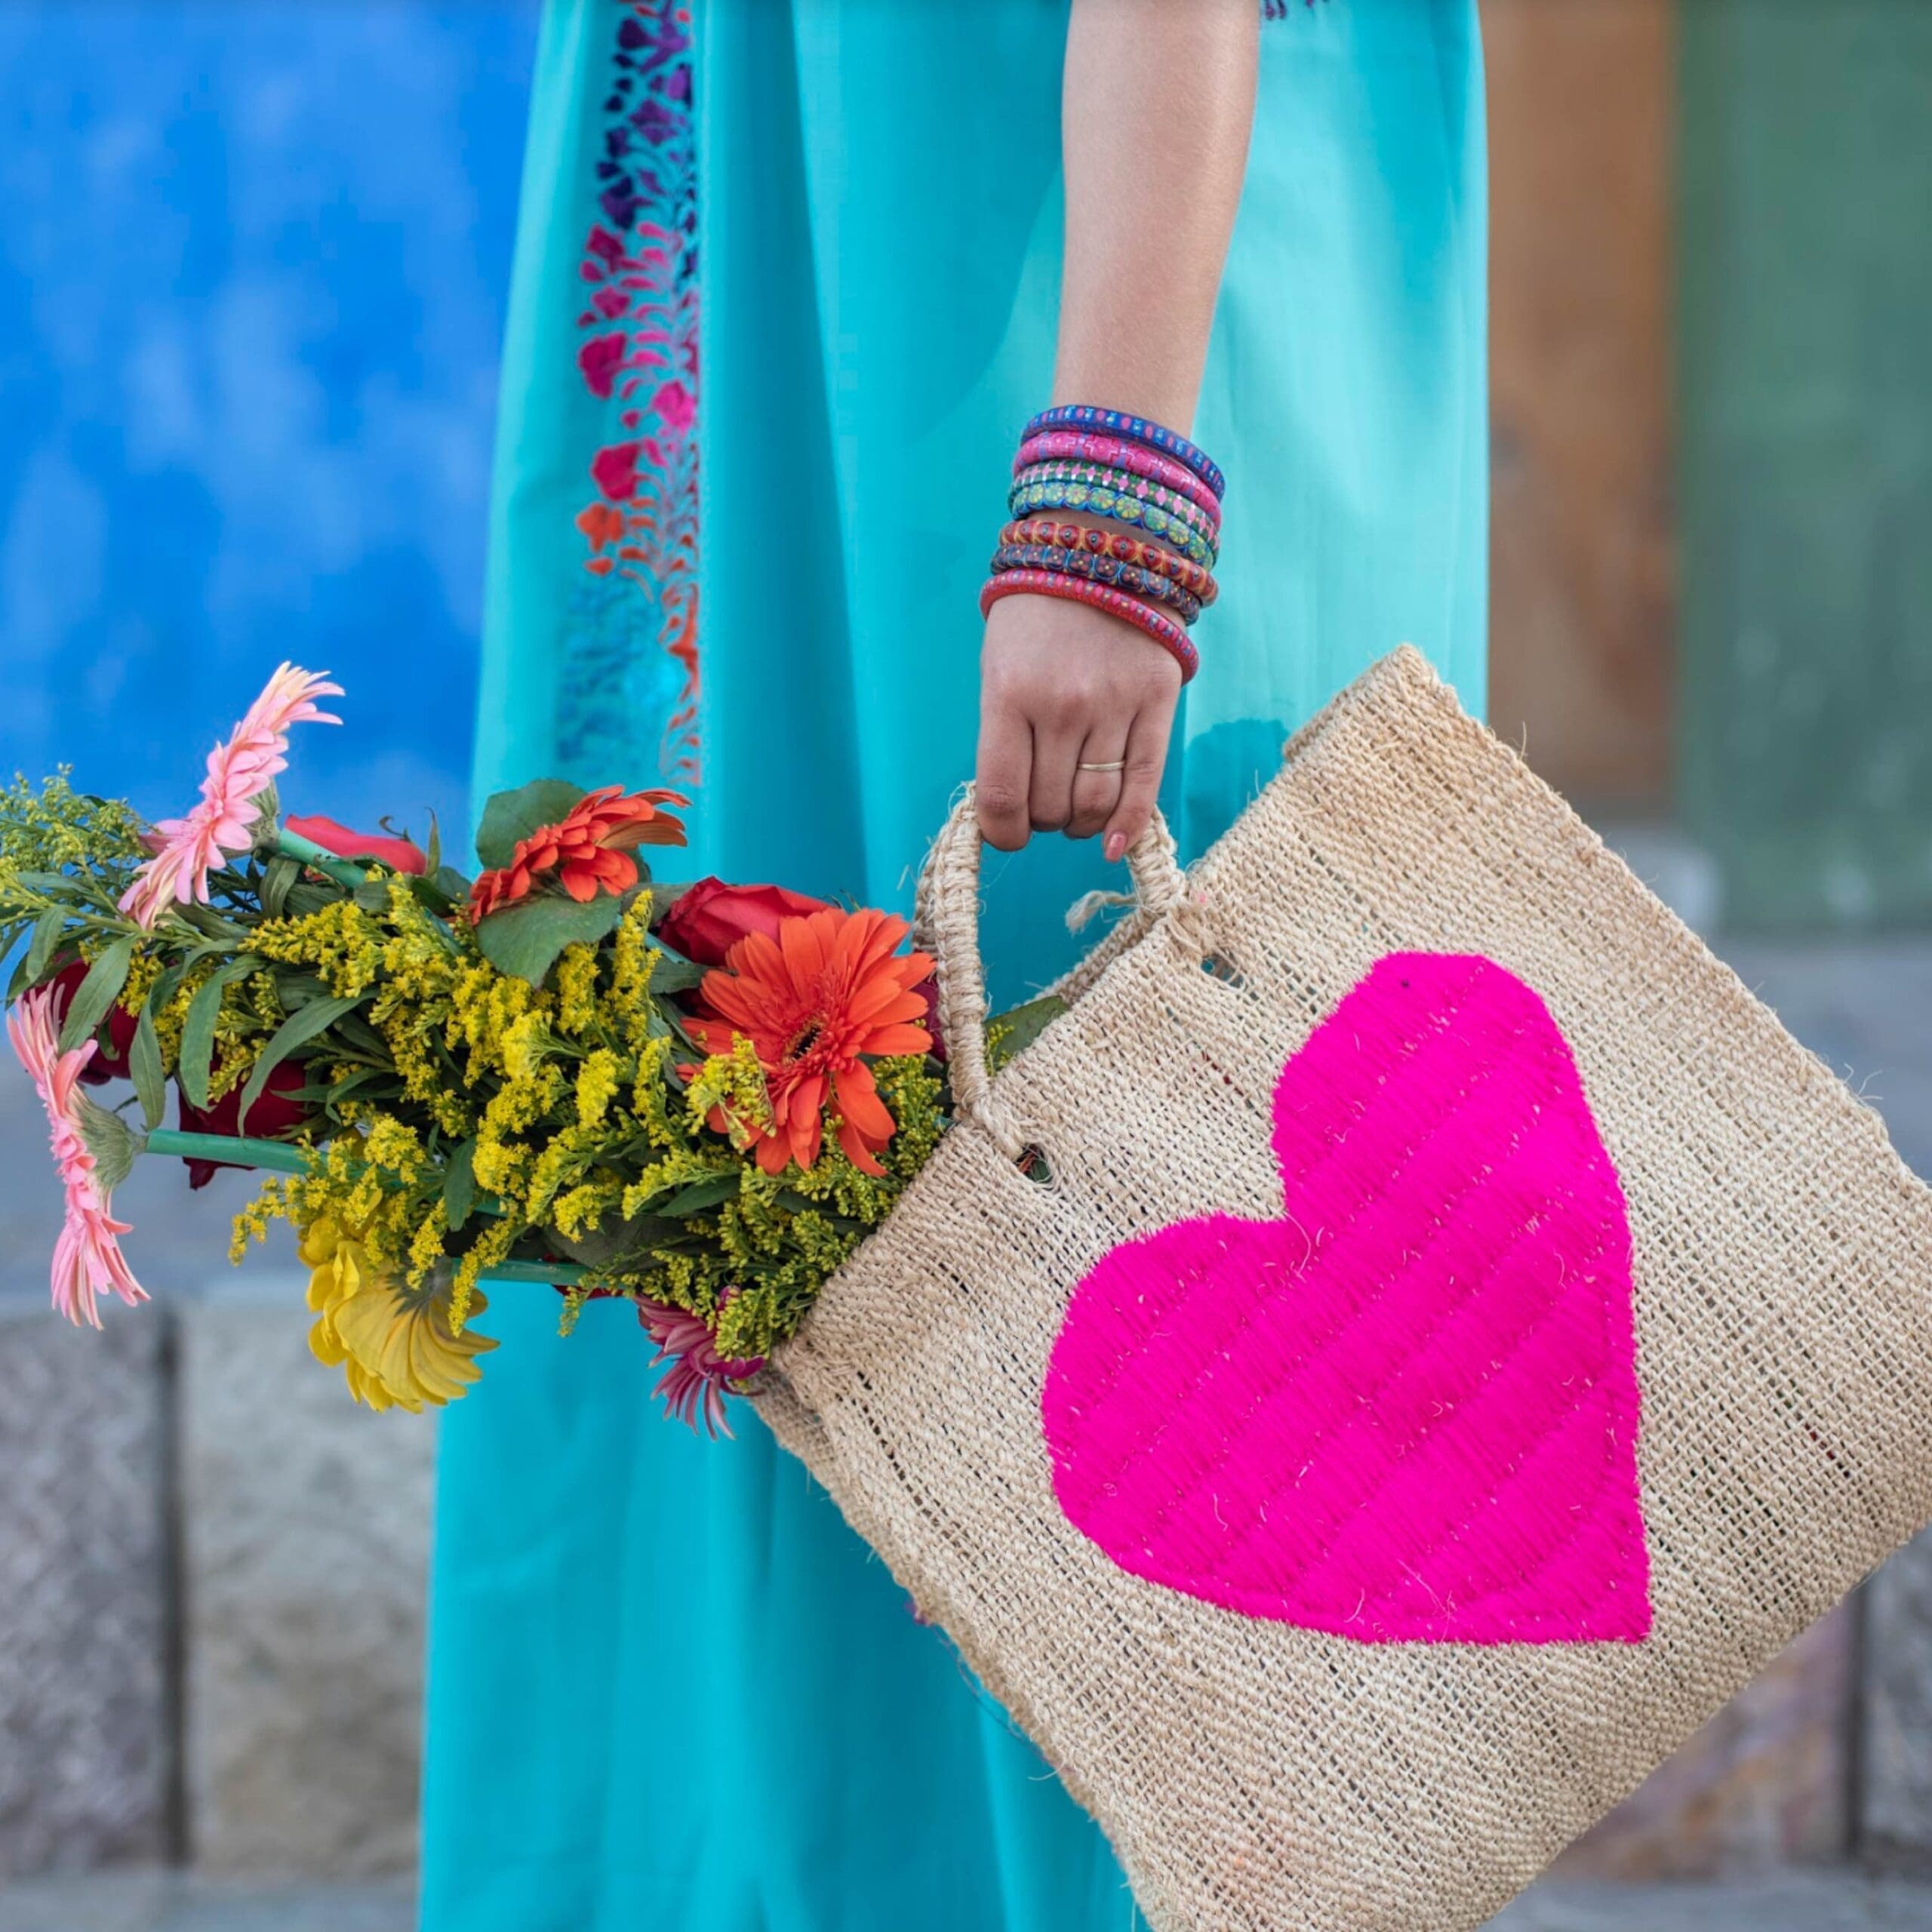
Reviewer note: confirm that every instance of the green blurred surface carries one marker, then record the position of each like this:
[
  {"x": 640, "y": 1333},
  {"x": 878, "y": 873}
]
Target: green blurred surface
[{"x": 1805, "y": 408}]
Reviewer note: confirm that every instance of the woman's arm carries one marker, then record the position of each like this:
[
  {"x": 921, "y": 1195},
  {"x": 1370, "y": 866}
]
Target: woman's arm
[{"x": 1158, "y": 99}]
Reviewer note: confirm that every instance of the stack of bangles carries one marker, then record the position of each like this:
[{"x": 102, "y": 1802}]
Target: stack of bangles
[{"x": 1114, "y": 511}]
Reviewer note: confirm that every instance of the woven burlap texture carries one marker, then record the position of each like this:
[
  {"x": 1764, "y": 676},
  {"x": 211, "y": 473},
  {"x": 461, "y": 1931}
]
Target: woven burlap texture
[{"x": 1252, "y": 1774}]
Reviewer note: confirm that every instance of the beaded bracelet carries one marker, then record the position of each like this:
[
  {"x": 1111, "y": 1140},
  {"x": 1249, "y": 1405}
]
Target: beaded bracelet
[
  {"x": 1083, "y": 564},
  {"x": 1124, "y": 482},
  {"x": 1164, "y": 631},
  {"x": 1116, "y": 492},
  {"x": 1115, "y": 543},
  {"x": 1136, "y": 429},
  {"x": 1112, "y": 453}
]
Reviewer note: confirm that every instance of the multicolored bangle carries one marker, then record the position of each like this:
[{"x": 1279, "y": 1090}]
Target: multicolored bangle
[
  {"x": 1111, "y": 452},
  {"x": 1085, "y": 416},
  {"x": 1164, "y": 631},
  {"x": 1118, "y": 493},
  {"x": 1090, "y": 569},
  {"x": 1115, "y": 543}
]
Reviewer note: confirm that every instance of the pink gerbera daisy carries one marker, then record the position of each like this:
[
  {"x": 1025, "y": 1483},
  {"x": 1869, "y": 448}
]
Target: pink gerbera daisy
[
  {"x": 87, "y": 1257},
  {"x": 238, "y": 773},
  {"x": 698, "y": 1378}
]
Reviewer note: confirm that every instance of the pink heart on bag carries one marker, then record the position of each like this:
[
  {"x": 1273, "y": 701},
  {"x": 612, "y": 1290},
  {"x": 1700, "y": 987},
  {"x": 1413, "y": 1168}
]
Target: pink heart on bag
[{"x": 1406, "y": 1411}]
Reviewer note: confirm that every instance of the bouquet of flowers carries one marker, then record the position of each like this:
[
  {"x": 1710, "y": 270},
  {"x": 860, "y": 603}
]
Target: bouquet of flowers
[{"x": 697, "y": 1096}]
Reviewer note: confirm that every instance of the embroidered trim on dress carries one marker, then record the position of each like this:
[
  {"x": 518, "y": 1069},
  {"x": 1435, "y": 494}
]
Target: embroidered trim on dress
[{"x": 638, "y": 352}]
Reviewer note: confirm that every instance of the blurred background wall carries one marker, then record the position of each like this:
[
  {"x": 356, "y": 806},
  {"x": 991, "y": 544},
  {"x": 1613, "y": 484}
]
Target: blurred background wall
[{"x": 253, "y": 262}]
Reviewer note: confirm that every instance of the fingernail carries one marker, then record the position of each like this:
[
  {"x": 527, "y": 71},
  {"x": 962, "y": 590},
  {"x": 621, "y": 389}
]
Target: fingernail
[{"x": 1114, "y": 845}]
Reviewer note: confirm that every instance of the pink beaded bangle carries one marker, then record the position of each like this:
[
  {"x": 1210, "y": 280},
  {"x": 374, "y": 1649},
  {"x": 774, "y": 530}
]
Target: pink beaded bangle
[
  {"x": 1164, "y": 631},
  {"x": 1067, "y": 445},
  {"x": 1135, "y": 428}
]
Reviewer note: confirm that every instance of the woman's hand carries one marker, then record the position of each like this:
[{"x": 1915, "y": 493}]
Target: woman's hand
[
  {"x": 1062, "y": 685},
  {"x": 1170, "y": 89}
]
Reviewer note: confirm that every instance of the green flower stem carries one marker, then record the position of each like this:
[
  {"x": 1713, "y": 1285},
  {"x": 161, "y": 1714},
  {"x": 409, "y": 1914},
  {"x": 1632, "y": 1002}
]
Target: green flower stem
[
  {"x": 558, "y": 1274},
  {"x": 231, "y": 1149},
  {"x": 239, "y": 1152},
  {"x": 344, "y": 872}
]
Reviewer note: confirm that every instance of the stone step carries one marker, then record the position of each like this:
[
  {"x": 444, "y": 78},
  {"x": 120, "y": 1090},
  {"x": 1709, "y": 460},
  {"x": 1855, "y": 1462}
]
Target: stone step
[{"x": 155, "y": 1901}]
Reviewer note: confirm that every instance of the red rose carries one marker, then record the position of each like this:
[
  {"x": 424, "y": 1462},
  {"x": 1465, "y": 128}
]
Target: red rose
[
  {"x": 274, "y": 1113},
  {"x": 401, "y": 855},
  {"x": 110, "y": 1059},
  {"x": 709, "y": 918}
]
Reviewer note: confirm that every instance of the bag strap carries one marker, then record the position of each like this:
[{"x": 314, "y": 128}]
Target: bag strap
[{"x": 946, "y": 919}]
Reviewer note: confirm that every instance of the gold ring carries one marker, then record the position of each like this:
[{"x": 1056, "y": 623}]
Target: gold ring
[{"x": 1117, "y": 764}]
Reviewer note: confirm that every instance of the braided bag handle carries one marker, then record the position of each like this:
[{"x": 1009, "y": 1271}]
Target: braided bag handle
[{"x": 946, "y": 919}]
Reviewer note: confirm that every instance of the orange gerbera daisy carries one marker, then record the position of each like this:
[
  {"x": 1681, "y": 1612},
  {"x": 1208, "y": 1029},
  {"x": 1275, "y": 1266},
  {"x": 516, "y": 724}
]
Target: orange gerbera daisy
[
  {"x": 587, "y": 851},
  {"x": 830, "y": 989}
]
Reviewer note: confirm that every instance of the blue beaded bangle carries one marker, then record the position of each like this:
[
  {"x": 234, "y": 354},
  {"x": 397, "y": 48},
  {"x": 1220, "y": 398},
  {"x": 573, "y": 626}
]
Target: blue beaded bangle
[
  {"x": 1101, "y": 569},
  {"x": 1117, "y": 493},
  {"x": 1135, "y": 428}
]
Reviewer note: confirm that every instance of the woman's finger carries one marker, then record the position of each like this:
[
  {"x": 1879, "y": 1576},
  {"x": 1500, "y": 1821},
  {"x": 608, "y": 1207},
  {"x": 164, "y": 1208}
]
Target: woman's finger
[
  {"x": 1055, "y": 750},
  {"x": 1096, "y": 793},
  {"x": 1146, "y": 754},
  {"x": 1003, "y": 782}
]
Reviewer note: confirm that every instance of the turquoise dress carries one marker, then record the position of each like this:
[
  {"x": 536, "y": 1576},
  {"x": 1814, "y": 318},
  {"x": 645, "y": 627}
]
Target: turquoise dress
[{"x": 816, "y": 244}]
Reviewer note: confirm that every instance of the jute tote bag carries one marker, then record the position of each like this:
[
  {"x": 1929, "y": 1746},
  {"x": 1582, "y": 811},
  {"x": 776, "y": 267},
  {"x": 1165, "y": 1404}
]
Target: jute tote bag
[{"x": 1453, "y": 1338}]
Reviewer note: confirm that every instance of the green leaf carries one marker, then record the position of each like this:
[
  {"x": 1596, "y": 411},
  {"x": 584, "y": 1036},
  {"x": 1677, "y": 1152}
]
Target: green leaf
[
  {"x": 297, "y": 1030},
  {"x": 296, "y": 986},
  {"x": 364, "y": 1037},
  {"x": 47, "y": 931},
  {"x": 701, "y": 1194},
  {"x": 459, "y": 1184},
  {"x": 323, "y": 1093},
  {"x": 1010, "y": 1033},
  {"x": 432, "y": 848},
  {"x": 198, "y": 1030},
  {"x": 450, "y": 883},
  {"x": 372, "y": 894},
  {"x": 98, "y": 991},
  {"x": 673, "y": 973},
  {"x": 304, "y": 898},
  {"x": 279, "y": 878},
  {"x": 623, "y": 1247},
  {"x": 510, "y": 817},
  {"x": 206, "y": 919},
  {"x": 434, "y": 899},
  {"x": 524, "y": 939},
  {"x": 146, "y": 1070},
  {"x": 166, "y": 985}
]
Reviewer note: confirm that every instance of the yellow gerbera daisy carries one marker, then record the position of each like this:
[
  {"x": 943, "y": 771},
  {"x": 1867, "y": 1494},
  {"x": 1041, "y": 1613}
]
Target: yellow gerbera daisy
[{"x": 392, "y": 1342}]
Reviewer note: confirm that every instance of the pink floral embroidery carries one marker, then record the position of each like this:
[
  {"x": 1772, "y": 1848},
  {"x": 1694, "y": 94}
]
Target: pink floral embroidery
[
  {"x": 638, "y": 351},
  {"x": 1406, "y": 1410}
]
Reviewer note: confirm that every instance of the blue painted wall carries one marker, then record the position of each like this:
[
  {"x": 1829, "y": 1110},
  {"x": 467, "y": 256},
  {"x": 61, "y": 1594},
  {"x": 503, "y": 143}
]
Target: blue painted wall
[{"x": 252, "y": 266}]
